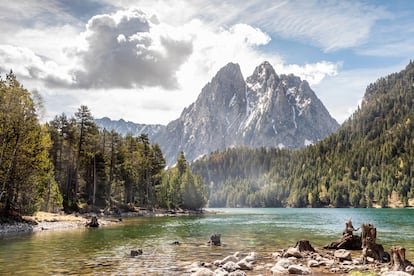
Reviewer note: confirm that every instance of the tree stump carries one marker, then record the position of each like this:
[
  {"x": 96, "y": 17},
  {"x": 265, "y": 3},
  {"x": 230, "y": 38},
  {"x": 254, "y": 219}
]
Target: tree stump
[
  {"x": 369, "y": 246},
  {"x": 93, "y": 223},
  {"x": 348, "y": 241},
  {"x": 135, "y": 253},
  {"x": 304, "y": 245},
  {"x": 398, "y": 261},
  {"x": 215, "y": 240}
]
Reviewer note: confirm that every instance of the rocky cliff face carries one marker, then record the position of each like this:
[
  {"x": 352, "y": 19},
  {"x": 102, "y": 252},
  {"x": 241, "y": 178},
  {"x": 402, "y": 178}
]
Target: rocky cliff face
[{"x": 265, "y": 110}]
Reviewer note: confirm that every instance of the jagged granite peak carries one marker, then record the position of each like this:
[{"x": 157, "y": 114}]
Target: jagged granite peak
[
  {"x": 263, "y": 76},
  {"x": 209, "y": 122},
  {"x": 265, "y": 110},
  {"x": 283, "y": 111},
  {"x": 126, "y": 127}
]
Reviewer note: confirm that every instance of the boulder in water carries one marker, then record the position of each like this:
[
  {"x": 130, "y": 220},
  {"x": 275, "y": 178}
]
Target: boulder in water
[
  {"x": 135, "y": 253},
  {"x": 215, "y": 239}
]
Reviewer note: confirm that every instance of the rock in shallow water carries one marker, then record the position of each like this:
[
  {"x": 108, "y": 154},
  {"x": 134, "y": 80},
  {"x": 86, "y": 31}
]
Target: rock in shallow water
[
  {"x": 231, "y": 266},
  {"x": 343, "y": 255},
  {"x": 293, "y": 252},
  {"x": 135, "y": 253},
  {"x": 285, "y": 263},
  {"x": 237, "y": 273},
  {"x": 278, "y": 270},
  {"x": 245, "y": 265},
  {"x": 230, "y": 258},
  {"x": 298, "y": 269},
  {"x": 203, "y": 272}
]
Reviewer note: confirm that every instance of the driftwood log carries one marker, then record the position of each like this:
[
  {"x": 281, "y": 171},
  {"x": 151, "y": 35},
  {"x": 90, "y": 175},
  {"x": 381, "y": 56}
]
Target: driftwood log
[
  {"x": 370, "y": 248},
  {"x": 348, "y": 241},
  {"x": 398, "y": 261}
]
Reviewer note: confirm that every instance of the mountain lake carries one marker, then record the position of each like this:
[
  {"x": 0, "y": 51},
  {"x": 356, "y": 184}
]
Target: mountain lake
[{"x": 106, "y": 250}]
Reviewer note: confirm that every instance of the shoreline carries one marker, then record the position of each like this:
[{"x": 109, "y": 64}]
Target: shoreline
[{"x": 44, "y": 221}]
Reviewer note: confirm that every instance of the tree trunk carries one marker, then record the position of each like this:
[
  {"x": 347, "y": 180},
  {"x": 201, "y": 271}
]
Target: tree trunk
[
  {"x": 111, "y": 170},
  {"x": 369, "y": 246},
  {"x": 94, "y": 180},
  {"x": 398, "y": 261},
  {"x": 93, "y": 223},
  {"x": 348, "y": 241},
  {"x": 7, "y": 175},
  {"x": 304, "y": 245}
]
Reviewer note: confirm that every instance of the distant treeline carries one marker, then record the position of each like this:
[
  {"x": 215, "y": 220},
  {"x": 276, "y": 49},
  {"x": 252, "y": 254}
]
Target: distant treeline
[
  {"x": 368, "y": 161},
  {"x": 69, "y": 163}
]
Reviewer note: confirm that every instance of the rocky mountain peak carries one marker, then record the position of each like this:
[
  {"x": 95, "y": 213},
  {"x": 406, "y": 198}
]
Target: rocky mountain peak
[
  {"x": 265, "y": 110},
  {"x": 263, "y": 78}
]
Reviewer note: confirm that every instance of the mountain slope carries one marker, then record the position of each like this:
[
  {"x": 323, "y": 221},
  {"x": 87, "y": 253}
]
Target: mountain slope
[
  {"x": 368, "y": 162},
  {"x": 124, "y": 128},
  {"x": 265, "y": 110}
]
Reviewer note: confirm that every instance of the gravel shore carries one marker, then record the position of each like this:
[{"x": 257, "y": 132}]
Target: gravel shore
[{"x": 43, "y": 221}]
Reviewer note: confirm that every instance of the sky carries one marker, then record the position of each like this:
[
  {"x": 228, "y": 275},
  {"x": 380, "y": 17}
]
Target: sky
[{"x": 145, "y": 61}]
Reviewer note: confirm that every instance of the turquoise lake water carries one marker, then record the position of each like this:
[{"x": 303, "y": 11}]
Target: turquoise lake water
[{"x": 106, "y": 251}]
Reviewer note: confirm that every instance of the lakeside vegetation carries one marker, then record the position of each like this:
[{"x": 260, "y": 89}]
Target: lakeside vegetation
[
  {"x": 367, "y": 162},
  {"x": 69, "y": 163}
]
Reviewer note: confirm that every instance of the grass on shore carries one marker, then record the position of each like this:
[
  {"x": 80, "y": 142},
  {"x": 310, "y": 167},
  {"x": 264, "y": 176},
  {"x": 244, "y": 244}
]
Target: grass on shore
[{"x": 52, "y": 217}]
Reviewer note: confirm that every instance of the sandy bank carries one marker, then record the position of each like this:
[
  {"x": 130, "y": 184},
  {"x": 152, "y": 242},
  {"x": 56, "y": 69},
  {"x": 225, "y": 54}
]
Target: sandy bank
[{"x": 43, "y": 221}]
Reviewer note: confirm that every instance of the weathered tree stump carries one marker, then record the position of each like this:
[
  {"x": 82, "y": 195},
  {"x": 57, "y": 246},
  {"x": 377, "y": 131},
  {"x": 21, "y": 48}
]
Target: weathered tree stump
[
  {"x": 369, "y": 246},
  {"x": 348, "y": 241},
  {"x": 93, "y": 223},
  {"x": 135, "y": 253},
  {"x": 349, "y": 228},
  {"x": 215, "y": 240},
  {"x": 398, "y": 261},
  {"x": 304, "y": 245}
]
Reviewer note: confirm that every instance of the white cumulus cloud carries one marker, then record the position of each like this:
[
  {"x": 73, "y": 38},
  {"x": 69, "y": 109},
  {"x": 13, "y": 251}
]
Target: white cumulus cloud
[
  {"x": 27, "y": 65},
  {"x": 125, "y": 50}
]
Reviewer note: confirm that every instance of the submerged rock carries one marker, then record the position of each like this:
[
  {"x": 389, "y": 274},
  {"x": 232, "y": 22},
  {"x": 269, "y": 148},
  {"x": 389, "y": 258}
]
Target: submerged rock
[{"x": 135, "y": 253}]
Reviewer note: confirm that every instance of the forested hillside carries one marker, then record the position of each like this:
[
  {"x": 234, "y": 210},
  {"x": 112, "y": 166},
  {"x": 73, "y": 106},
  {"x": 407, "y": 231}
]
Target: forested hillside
[
  {"x": 368, "y": 161},
  {"x": 70, "y": 163}
]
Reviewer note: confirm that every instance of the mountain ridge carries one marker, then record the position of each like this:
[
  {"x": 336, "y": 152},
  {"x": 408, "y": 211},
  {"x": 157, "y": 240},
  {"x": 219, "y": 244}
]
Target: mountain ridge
[
  {"x": 264, "y": 109},
  {"x": 127, "y": 127}
]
